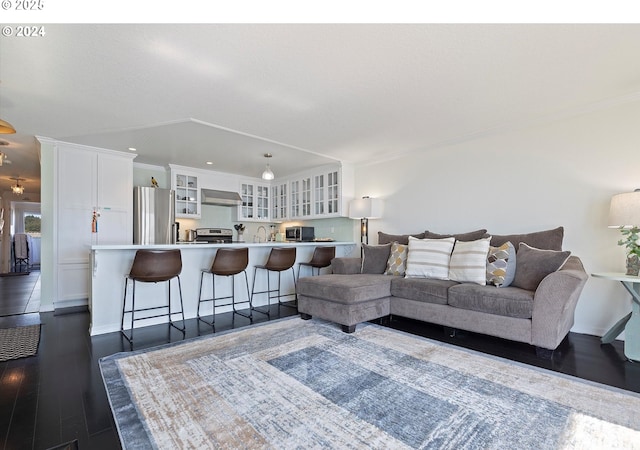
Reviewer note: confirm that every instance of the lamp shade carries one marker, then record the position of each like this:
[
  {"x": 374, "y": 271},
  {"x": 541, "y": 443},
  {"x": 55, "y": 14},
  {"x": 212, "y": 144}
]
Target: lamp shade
[
  {"x": 365, "y": 207},
  {"x": 625, "y": 210}
]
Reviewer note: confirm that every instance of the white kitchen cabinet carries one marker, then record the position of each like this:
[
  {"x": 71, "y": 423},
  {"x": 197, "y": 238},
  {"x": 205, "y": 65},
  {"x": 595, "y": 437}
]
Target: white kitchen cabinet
[
  {"x": 87, "y": 181},
  {"x": 280, "y": 202},
  {"x": 255, "y": 202},
  {"x": 301, "y": 194},
  {"x": 326, "y": 194},
  {"x": 187, "y": 188}
]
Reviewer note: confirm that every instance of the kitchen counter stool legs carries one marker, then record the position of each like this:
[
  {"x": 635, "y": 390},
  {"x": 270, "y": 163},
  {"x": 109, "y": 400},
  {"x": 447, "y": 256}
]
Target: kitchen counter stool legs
[
  {"x": 280, "y": 259},
  {"x": 152, "y": 266},
  {"x": 228, "y": 262}
]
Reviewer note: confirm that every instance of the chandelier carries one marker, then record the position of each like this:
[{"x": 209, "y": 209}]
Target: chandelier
[{"x": 17, "y": 188}]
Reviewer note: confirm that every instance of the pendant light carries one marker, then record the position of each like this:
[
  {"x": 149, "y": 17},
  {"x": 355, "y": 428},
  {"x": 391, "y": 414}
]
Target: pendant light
[
  {"x": 268, "y": 173},
  {"x": 6, "y": 127},
  {"x": 17, "y": 188}
]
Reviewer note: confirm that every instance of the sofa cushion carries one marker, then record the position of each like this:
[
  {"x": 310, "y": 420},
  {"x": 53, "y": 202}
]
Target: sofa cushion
[
  {"x": 501, "y": 265},
  {"x": 469, "y": 261},
  {"x": 534, "y": 264},
  {"x": 397, "y": 262},
  {"x": 384, "y": 238},
  {"x": 346, "y": 288},
  {"x": 547, "y": 239},
  {"x": 429, "y": 258},
  {"x": 468, "y": 236},
  {"x": 374, "y": 258},
  {"x": 422, "y": 289},
  {"x": 508, "y": 301}
]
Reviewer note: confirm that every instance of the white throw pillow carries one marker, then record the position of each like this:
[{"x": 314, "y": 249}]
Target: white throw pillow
[
  {"x": 429, "y": 258},
  {"x": 469, "y": 261}
]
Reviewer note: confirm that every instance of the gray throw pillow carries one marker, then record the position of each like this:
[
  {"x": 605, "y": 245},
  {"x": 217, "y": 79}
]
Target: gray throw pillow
[
  {"x": 375, "y": 257},
  {"x": 464, "y": 237},
  {"x": 534, "y": 264},
  {"x": 384, "y": 238},
  {"x": 544, "y": 240}
]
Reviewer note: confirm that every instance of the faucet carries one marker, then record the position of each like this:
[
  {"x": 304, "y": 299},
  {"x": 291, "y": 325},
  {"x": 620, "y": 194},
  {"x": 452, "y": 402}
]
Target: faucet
[{"x": 265, "y": 233}]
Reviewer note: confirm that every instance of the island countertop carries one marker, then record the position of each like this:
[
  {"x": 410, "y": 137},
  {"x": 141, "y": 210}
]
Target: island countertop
[
  {"x": 110, "y": 264},
  {"x": 191, "y": 245}
]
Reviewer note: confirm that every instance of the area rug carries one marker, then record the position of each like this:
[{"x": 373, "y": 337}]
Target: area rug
[
  {"x": 306, "y": 384},
  {"x": 19, "y": 342}
]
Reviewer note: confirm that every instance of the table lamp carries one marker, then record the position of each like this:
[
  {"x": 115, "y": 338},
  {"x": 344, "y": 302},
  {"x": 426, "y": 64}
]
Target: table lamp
[
  {"x": 624, "y": 213},
  {"x": 365, "y": 208}
]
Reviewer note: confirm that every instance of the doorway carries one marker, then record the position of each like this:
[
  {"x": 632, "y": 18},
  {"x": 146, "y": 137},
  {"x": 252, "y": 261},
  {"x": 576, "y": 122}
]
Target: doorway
[{"x": 20, "y": 285}]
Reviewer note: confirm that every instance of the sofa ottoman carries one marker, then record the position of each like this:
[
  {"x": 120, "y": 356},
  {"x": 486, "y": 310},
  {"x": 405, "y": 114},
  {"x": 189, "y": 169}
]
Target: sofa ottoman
[{"x": 344, "y": 299}]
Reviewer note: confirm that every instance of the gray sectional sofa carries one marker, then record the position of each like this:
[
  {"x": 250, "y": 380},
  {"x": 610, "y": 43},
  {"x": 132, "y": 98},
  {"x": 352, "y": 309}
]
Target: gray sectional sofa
[{"x": 541, "y": 315}]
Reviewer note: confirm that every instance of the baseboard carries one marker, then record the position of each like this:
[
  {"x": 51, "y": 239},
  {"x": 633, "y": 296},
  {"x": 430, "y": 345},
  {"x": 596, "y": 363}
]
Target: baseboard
[{"x": 70, "y": 310}]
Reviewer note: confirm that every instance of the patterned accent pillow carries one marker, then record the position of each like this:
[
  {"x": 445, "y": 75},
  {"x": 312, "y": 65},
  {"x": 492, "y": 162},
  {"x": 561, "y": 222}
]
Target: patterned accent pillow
[
  {"x": 469, "y": 261},
  {"x": 501, "y": 265},
  {"x": 429, "y": 258},
  {"x": 397, "y": 263}
]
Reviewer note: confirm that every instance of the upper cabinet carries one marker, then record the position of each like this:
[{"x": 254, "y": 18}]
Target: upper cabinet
[
  {"x": 324, "y": 192},
  {"x": 279, "y": 201},
  {"x": 255, "y": 202},
  {"x": 314, "y": 194},
  {"x": 301, "y": 198},
  {"x": 187, "y": 187}
]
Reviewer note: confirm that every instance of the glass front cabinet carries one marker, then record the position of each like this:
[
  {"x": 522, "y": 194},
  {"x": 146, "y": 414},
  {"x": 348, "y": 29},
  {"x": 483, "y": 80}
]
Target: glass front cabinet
[
  {"x": 279, "y": 202},
  {"x": 255, "y": 202},
  {"x": 187, "y": 191},
  {"x": 316, "y": 194}
]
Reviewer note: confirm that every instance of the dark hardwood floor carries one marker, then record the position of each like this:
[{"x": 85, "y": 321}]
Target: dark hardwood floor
[{"x": 58, "y": 395}]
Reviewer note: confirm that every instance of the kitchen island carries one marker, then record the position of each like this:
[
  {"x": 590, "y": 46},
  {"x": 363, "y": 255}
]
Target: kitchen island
[{"x": 110, "y": 264}]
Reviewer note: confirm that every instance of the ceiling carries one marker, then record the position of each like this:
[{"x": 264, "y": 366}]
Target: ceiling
[{"x": 308, "y": 94}]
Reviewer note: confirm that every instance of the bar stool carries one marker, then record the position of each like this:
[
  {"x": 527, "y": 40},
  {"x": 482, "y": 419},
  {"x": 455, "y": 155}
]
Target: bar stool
[
  {"x": 153, "y": 266},
  {"x": 228, "y": 262},
  {"x": 321, "y": 258},
  {"x": 280, "y": 259}
]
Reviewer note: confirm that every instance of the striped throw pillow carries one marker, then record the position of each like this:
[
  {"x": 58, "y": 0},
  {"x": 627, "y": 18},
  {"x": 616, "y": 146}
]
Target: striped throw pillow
[
  {"x": 429, "y": 258},
  {"x": 469, "y": 261}
]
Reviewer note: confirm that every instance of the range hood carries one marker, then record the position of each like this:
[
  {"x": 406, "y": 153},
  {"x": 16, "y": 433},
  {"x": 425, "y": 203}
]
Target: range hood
[{"x": 220, "y": 198}]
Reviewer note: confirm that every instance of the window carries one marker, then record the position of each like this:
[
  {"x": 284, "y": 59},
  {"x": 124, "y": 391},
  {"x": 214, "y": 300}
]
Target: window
[{"x": 32, "y": 224}]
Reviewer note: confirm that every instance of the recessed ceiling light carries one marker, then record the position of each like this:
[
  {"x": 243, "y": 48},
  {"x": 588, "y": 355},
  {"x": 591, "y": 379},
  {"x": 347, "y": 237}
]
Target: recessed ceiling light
[
  {"x": 209, "y": 162},
  {"x": 133, "y": 149}
]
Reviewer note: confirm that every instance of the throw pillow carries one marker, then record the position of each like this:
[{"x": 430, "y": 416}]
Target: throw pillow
[
  {"x": 544, "y": 240},
  {"x": 501, "y": 265},
  {"x": 397, "y": 263},
  {"x": 469, "y": 236},
  {"x": 534, "y": 264},
  {"x": 384, "y": 238},
  {"x": 429, "y": 258},
  {"x": 469, "y": 261},
  {"x": 374, "y": 258}
]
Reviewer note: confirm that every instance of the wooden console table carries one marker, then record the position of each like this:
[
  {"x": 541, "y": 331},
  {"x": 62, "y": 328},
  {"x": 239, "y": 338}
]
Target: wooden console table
[{"x": 629, "y": 323}]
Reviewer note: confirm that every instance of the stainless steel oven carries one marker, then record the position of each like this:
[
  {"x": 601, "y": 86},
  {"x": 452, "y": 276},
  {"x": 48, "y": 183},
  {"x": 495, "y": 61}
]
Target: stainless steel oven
[{"x": 214, "y": 235}]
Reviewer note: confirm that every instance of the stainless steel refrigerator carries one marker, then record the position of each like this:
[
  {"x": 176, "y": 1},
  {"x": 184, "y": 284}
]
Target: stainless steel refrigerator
[{"x": 154, "y": 216}]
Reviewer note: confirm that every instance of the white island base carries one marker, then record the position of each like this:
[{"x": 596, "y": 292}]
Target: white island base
[{"x": 110, "y": 264}]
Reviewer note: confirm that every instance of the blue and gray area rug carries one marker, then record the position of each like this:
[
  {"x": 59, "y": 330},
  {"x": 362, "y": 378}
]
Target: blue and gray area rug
[{"x": 306, "y": 384}]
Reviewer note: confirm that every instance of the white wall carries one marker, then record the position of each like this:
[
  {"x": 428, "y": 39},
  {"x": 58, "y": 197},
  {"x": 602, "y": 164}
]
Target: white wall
[{"x": 530, "y": 179}]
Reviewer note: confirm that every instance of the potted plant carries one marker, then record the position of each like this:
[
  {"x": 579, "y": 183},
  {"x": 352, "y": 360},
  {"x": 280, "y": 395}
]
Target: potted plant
[{"x": 630, "y": 241}]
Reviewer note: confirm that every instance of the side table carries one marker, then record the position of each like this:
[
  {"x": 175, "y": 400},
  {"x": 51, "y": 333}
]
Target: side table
[{"x": 629, "y": 323}]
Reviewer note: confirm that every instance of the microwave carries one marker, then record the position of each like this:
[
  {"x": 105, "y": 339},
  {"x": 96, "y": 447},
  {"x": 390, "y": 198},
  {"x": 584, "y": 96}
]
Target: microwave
[{"x": 300, "y": 234}]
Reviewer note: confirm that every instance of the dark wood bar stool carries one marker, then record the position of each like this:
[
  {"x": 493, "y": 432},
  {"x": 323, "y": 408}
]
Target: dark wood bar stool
[
  {"x": 153, "y": 266},
  {"x": 280, "y": 259},
  {"x": 228, "y": 262},
  {"x": 321, "y": 258}
]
